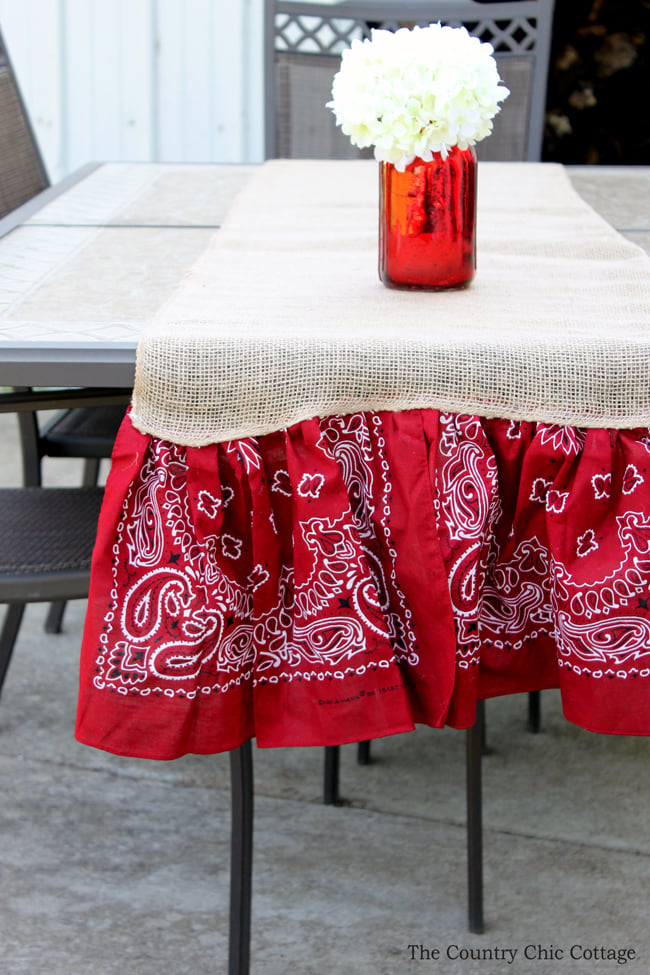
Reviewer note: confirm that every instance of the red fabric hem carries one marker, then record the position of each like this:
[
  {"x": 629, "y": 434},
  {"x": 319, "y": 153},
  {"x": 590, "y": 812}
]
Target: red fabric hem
[{"x": 611, "y": 706}]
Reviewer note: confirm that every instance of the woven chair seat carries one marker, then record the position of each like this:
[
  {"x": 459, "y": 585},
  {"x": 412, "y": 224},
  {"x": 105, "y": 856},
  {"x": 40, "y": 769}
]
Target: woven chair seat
[{"x": 46, "y": 541}]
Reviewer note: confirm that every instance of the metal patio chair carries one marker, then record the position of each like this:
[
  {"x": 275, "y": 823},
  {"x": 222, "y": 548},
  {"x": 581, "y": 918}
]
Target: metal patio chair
[
  {"x": 83, "y": 432},
  {"x": 22, "y": 173},
  {"x": 303, "y": 43},
  {"x": 86, "y": 432},
  {"x": 46, "y": 541}
]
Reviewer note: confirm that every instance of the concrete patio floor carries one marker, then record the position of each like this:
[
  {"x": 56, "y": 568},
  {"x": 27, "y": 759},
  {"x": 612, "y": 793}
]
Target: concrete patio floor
[{"x": 112, "y": 866}]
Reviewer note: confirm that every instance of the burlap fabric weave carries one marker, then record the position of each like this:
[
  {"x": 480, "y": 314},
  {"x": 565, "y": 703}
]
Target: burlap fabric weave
[{"x": 283, "y": 317}]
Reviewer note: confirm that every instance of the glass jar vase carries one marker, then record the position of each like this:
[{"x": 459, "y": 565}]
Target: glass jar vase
[{"x": 427, "y": 221}]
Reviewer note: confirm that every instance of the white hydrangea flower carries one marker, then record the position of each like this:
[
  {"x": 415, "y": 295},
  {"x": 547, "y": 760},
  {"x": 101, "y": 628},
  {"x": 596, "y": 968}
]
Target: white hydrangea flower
[{"x": 411, "y": 93}]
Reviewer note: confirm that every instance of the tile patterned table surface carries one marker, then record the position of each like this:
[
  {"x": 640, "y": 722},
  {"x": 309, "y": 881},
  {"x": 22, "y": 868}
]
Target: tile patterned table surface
[{"x": 82, "y": 275}]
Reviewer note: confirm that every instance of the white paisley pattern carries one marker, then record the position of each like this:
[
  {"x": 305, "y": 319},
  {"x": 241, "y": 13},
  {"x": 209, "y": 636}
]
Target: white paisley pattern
[
  {"x": 467, "y": 507},
  {"x": 185, "y": 617},
  {"x": 572, "y": 581}
]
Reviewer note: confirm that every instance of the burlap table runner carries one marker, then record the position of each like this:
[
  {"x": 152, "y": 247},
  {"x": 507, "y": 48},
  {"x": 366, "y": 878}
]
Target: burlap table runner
[{"x": 283, "y": 317}]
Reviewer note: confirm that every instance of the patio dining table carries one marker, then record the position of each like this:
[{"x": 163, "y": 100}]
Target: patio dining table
[{"x": 336, "y": 510}]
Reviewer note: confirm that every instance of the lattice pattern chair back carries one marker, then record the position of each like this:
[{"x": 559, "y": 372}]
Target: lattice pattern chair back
[
  {"x": 22, "y": 173},
  {"x": 304, "y": 42}
]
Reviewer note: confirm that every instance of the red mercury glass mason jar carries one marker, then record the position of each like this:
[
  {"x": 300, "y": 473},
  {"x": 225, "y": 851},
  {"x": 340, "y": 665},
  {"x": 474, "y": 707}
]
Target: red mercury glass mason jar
[{"x": 427, "y": 220}]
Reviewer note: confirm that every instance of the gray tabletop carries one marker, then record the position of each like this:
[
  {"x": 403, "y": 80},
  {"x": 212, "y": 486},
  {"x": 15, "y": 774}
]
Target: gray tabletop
[{"x": 87, "y": 266}]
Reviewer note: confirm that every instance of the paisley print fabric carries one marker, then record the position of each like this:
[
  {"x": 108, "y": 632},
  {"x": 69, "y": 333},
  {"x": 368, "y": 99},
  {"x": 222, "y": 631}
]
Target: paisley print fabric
[{"x": 352, "y": 576}]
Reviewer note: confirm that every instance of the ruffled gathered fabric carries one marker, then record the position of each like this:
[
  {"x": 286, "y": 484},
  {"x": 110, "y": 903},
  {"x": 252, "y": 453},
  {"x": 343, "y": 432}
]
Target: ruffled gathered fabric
[{"x": 352, "y": 576}]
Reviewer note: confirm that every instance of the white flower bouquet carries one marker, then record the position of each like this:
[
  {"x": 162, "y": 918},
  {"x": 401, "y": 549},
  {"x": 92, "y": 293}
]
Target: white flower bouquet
[{"x": 415, "y": 92}]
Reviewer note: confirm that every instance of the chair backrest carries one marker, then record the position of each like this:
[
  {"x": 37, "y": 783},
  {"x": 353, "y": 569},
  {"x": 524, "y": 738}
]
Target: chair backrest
[
  {"x": 304, "y": 41},
  {"x": 22, "y": 173}
]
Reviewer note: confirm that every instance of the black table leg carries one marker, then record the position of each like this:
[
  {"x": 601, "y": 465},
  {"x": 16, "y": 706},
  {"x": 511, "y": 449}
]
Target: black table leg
[
  {"x": 241, "y": 859},
  {"x": 331, "y": 782},
  {"x": 363, "y": 753},
  {"x": 534, "y": 711},
  {"x": 475, "y": 824}
]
